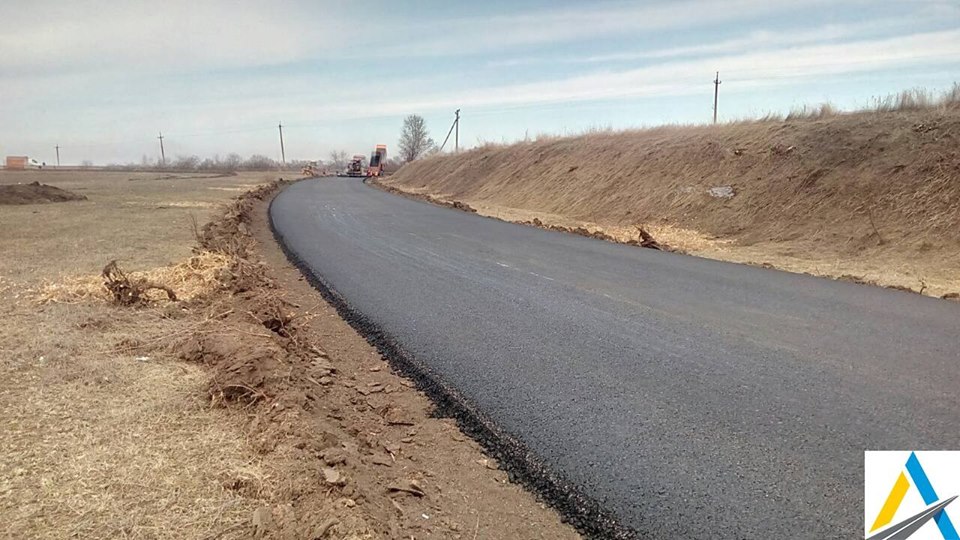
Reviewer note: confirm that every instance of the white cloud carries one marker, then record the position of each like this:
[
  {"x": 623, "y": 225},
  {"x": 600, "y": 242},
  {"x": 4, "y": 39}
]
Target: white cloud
[
  {"x": 137, "y": 35},
  {"x": 741, "y": 72},
  {"x": 751, "y": 41},
  {"x": 591, "y": 20}
]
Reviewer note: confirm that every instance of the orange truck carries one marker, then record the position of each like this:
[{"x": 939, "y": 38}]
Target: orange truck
[{"x": 377, "y": 160}]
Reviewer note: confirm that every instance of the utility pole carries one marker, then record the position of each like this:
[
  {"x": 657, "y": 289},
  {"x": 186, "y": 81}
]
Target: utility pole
[
  {"x": 456, "y": 136},
  {"x": 283, "y": 154},
  {"x": 716, "y": 94},
  {"x": 58, "y": 155},
  {"x": 163, "y": 157},
  {"x": 454, "y": 126}
]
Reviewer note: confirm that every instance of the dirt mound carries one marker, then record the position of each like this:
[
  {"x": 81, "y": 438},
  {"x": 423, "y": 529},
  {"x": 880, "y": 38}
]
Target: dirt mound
[
  {"x": 245, "y": 371},
  {"x": 36, "y": 193},
  {"x": 357, "y": 451},
  {"x": 875, "y": 194},
  {"x": 230, "y": 235}
]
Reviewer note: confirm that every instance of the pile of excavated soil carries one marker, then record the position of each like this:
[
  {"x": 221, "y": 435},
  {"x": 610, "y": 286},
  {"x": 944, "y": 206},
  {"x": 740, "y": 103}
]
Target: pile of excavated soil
[
  {"x": 876, "y": 195},
  {"x": 36, "y": 193},
  {"x": 357, "y": 448}
]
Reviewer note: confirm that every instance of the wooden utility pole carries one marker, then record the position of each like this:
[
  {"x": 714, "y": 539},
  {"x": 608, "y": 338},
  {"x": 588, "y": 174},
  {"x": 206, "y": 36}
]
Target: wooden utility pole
[
  {"x": 58, "y": 155},
  {"x": 454, "y": 126},
  {"x": 163, "y": 157},
  {"x": 716, "y": 94},
  {"x": 283, "y": 154},
  {"x": 456, "y": 136}
]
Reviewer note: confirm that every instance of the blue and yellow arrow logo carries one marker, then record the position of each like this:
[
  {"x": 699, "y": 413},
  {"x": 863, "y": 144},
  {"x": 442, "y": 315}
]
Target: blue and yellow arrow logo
[{"x": 910, "y": 525}]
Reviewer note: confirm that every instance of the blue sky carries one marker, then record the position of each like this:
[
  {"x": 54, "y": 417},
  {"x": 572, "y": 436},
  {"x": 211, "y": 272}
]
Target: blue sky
[{"x": 102, "y": 78}]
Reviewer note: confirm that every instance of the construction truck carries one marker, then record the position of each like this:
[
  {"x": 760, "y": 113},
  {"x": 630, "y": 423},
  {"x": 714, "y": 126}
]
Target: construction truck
[
  {"x": 355, "y": 167},
  {"x": 312, "y": 170},
  {"x": 377, "y": 160}
]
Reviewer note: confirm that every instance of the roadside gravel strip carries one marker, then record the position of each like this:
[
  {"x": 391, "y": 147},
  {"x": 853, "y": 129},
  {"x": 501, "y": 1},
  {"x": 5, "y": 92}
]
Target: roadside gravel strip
[{"x": 685, "y": 397}]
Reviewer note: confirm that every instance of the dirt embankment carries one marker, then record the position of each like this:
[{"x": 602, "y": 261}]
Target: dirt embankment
[
  {"x": 36, "y": 193},
  {"x": 362, "y": 442},
  {"x": 871, "y": 196}
]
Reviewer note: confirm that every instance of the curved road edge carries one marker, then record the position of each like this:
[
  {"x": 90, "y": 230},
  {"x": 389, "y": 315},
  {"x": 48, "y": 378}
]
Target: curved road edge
[{"x": 521, "y": 465}]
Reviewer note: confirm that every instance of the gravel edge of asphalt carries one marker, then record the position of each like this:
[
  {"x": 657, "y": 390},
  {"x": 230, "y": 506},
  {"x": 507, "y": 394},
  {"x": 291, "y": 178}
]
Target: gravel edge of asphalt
[{"x": 521, "y": 465}]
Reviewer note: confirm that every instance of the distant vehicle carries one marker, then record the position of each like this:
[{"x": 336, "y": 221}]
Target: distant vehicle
[
  {"x": 377, "y": 159},
  {"x": 355, "y": 167},
  {"x": 312, "y": 170},
  {"x": 22, "y": 163}
]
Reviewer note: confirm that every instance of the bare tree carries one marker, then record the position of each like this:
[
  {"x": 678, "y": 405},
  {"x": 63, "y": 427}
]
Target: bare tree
[
  {"x": 338, "y": 158},
  {"x": 210, "y": 164},
  {"x": 415, "y": 140},
  {"x": 233, "y": 162},
  {"x": 185, "y": 163},
  {"x": 259, "y": 162}
]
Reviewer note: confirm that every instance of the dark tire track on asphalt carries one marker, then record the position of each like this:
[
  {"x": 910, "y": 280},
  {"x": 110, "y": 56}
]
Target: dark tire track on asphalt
[{"x": 683, "y": 397}]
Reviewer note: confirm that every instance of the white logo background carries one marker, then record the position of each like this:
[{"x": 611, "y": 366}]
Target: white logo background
[{"x": 881, "y": 469}]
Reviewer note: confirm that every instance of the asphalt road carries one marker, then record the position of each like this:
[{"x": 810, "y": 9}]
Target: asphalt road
[{"x": 693, "y": 398}]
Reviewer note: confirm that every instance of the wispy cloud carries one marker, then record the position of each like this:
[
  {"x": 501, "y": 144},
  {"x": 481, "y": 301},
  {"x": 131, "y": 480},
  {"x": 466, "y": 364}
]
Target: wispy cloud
[
  {"x": 742, "y": 72},
  {"x": 564, "y": 24},
  {"x": 751, "y": 41},
  {"x": 40, "y": 36}
]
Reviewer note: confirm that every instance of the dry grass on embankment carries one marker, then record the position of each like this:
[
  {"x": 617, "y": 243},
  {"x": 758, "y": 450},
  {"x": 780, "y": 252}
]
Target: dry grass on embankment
[{"x": 869, "y": 196}]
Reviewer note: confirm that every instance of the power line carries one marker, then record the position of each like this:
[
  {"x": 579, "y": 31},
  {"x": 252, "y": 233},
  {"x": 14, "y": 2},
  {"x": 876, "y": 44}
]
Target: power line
[
  {"x": 456, "y": 136},
  {"x": 228, "y": 131}
]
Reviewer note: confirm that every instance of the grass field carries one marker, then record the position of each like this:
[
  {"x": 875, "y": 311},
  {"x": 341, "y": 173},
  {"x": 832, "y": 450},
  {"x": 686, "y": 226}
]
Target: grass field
[
  {"x": 141, "y": 219},
  {"x": 99, "y": 441}
]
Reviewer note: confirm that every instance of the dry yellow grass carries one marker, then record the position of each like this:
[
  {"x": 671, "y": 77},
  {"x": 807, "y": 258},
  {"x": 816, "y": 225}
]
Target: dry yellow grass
[
  {"x": 874, "y": 194},
  {"x": 102, "y": 433},
  {"x": 190, "y": 279},
  {"x": 118, "y": 447}
]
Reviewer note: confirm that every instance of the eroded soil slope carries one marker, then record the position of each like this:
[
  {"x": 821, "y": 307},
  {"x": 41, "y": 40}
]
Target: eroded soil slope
[{"x": 870, "y": 196}]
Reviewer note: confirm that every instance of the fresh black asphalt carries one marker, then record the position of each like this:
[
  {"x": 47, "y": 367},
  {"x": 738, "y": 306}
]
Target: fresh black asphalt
[{"x": 689, "y": 397}]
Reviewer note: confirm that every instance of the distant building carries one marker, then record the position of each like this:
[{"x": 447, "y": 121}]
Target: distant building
[{"x": 22, "y": 163}]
